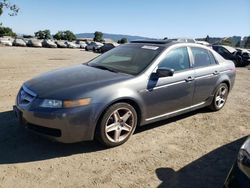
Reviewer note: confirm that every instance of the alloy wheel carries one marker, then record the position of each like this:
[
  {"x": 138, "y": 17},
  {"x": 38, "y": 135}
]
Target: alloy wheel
[
  {"x": 119, "y": 125},
  {"x": 221, "y": 97}
]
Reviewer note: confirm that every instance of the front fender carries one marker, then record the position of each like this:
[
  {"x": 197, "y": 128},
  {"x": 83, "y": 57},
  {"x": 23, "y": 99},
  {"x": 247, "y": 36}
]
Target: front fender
[{"x": 106, "y": 99}]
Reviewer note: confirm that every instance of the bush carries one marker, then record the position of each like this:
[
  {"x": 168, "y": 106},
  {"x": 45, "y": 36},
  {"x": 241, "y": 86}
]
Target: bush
[
  {"x": 122, "y": 41},
  {"x": 6, "y": 31},
  {"x": 45, "y": 34},
  {"x": 98, "y": 36},
  {"x": 65, "y": 35}
]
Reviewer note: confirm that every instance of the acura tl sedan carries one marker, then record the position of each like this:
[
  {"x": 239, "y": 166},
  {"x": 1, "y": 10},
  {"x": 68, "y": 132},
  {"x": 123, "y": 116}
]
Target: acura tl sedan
[{"x": 131, "y": 85}]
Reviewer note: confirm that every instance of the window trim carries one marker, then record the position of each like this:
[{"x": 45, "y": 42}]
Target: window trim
[{"x": 189, "y": 59}]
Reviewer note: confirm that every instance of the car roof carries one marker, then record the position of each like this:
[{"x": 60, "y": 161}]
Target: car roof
[
  {"x": 167, "y": 43},
  {"x": 161, "y": 43}
]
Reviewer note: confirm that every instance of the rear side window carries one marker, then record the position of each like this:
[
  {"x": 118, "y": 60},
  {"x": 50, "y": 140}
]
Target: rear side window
[
  {"x": 177, "y": 59},
  {"x": 202, "y": 57}
]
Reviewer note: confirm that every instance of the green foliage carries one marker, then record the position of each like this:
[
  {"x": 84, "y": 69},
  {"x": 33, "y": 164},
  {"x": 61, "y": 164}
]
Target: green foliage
[
  {"x": 5, "y": 4},
  {"x": 6, "y": 31},
  {"x": 45, "y": 34},
  {"x": 122, "y": 41},
  {"x": 98, "y": 36},
  {"x": 65, "y": 35},
  {"x": 247, "y": 43}
]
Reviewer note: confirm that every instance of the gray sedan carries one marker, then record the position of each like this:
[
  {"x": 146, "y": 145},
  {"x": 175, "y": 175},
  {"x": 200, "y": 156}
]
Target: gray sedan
[{"x": 132, "y": 85}]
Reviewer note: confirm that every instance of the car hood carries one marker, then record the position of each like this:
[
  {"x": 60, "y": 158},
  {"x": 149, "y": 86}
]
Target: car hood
[{"x": 72, "y": 82}]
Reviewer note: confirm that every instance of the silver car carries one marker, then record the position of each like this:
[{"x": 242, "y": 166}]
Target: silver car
[{"x": 131, "y": 85}]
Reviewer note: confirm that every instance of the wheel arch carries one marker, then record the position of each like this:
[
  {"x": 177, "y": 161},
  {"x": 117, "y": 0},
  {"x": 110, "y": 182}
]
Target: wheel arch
[{"x": 135, "y": 104}]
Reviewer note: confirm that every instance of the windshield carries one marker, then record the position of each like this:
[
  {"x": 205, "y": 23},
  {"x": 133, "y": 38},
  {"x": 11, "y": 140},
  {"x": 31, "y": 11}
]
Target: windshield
[{"x": 129, "y": 59}]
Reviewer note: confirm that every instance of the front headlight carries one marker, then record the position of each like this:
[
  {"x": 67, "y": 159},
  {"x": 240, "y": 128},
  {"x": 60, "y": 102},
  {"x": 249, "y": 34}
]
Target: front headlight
[
  {"x": 50, "y": 103},
  {"x": 244, "y": 158}
]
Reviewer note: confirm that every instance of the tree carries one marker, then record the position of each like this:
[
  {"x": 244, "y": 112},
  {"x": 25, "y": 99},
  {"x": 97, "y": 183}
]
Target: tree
[
  {"x": 45, "y": 34},
  {"x": 98, "y": 36},
  {"x": 6, "y": 31},
  {"x": 122, "y": 41},
  {"x": 247, "y": 43},
  {"x": 207, "y": 38},
  {"x": 65, "y": 35},
  {"x": 5, "y": 4}
]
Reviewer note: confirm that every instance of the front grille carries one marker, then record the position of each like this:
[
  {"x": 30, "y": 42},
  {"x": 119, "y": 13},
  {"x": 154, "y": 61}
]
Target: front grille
[{"x": 25, "y": 96}]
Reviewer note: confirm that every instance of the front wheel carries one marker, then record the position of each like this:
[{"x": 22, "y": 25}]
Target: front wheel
[
  {"x": 117, "y": 125},
  {"x": 220, "y": 97}
]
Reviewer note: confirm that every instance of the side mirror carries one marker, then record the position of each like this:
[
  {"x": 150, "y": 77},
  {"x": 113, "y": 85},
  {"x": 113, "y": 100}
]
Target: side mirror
[{"x": 164, "y": 72}]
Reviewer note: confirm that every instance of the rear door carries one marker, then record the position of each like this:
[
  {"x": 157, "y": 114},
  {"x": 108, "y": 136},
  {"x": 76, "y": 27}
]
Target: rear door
[{"x": 206, "y": 74}]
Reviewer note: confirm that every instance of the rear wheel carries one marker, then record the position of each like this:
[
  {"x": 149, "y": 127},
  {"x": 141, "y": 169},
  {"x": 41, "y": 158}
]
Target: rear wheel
[
  {"x": 117, "y": 125},
  {"x": 220, "y": 97}
]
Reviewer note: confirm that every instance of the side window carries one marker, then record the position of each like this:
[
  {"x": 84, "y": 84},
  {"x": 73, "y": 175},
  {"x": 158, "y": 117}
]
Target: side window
[
  {"x": 202, "y": 57},
  {"x": 177, "y": 59}
]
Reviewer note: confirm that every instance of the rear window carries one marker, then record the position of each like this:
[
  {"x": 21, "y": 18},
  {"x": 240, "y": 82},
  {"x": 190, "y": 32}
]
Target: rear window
[{"x": 202, "y": 57}]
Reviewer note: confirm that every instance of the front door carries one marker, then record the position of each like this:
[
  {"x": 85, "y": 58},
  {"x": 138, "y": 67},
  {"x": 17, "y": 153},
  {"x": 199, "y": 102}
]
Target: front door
[{"x": 168, "y": 94}]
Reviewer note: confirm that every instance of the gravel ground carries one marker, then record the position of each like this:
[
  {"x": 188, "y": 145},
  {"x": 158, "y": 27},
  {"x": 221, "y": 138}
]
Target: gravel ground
[{"x": 193, "y": 150}]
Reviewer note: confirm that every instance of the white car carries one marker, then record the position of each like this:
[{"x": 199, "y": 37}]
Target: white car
[
  {"x": 6, "y": 41},
  {"x": 94, "y": 46}
]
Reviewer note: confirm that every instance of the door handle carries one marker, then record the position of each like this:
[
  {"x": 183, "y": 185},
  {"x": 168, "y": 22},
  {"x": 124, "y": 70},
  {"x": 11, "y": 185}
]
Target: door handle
[
  {"x": 189, "y": 79},
  {"x": 216, "y": 72}
]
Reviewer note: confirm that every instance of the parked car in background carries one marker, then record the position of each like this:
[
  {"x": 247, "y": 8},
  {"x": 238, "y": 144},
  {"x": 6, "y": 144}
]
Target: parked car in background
[
  {"x": 203, "y": 43},
  {"x": 61, "y": 44},
  {"x": 82, "y": 44},
  {"x": 188, "y": 40},
  {"x": 19, "y": 42},
  {"x": 71, "y": 44},
  {"x": 229, "y": 53},
  {"x": 49, "y": 44},
  {"x": 107, "y": 46},
  {"x": 239, "y": 175},
  {"x": 93, "y": 46},
  {"x": 34, "y": 43},
  {"x": 131, "y": 85},
  {"x": 6, "y": 41},
  {"x": 245, "y": 54}
]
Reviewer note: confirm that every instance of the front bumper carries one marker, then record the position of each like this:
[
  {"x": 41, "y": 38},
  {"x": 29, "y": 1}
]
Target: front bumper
[{"x": 63, "y": 125}]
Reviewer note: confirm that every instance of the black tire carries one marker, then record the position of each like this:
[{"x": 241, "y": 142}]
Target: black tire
[
  {"x": 220, "y": 97},
  {"x": 105, "y": 133}
]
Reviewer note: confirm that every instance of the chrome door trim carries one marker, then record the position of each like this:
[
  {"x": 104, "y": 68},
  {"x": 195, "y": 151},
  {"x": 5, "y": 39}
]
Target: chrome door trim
[{"x": 177, "y": 111}]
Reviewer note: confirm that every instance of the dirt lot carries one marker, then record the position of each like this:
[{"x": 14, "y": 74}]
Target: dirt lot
[{"x": 193, "y": 150}]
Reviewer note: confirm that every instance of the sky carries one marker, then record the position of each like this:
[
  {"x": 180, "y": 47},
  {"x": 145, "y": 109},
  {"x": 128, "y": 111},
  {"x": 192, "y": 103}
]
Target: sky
[{"x": 148, "y": 18}]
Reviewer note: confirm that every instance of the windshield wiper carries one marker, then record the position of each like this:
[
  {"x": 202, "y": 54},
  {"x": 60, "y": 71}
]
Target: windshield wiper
[{"x": 104, "y": 68}]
